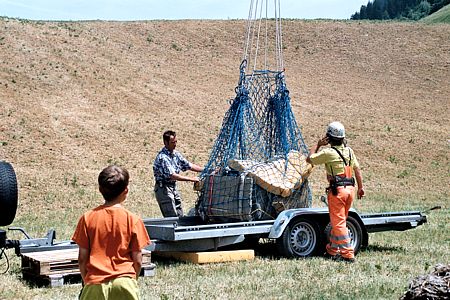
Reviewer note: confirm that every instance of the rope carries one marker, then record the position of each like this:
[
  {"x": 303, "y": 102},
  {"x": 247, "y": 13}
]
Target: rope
[
  {"x": 258, "y": 32},
  {"x": 211, "y": 184},
  {"x": 266, "y": 42},
  {"x": 2, "y": 252},
  {"x": 258, "y": 35},
  {"x": 280, "y": 64}
]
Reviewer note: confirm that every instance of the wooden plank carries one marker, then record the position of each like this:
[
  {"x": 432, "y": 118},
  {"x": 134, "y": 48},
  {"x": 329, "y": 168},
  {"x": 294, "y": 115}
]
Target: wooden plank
[
  {"x": 211, "y": 257},
  {"x": 59, "y": 261},
  {"x": 59, "y": 279},
  {"x": 62, "y": 255},
  {"x": 53, "y": 255},
  {"x": 47, "y": 262}
]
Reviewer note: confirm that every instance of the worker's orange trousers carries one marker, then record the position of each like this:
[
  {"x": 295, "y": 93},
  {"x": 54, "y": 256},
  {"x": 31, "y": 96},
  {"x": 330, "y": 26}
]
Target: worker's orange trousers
[{"x": 338, "y": 206}]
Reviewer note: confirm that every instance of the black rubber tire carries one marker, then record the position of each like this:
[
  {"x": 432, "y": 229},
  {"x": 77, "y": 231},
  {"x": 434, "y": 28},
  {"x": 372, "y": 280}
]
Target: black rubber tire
[
  {"x": 8, "y": 194},
  {"x": 300, "y": 239},
  {"x": 354, "y": 230}
]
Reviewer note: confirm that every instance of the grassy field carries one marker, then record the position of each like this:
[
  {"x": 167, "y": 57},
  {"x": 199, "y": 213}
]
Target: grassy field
[
  {"x": 441, "y": 16},
  {"x": 381, "y": 272},
  {"x": 77, "y": 96}
]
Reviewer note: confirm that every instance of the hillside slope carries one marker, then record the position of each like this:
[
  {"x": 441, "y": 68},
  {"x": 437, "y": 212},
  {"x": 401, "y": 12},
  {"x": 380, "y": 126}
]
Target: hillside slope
[
  {"x": 76, "y": 96},
  {"x": 441, "y": 16}
]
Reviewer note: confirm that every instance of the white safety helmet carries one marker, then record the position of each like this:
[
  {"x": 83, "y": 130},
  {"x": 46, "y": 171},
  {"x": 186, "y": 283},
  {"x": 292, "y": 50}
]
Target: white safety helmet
[{"x": 336, "y": 130}]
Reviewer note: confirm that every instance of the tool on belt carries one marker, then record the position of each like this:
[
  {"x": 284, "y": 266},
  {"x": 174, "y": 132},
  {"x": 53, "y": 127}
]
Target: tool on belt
[
  {"x": 339, "y": 180},
  {"x": 162, "y": 183}
]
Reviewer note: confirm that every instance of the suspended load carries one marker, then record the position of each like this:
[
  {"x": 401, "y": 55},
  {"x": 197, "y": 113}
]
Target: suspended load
[{"x": 257, "y": 167}]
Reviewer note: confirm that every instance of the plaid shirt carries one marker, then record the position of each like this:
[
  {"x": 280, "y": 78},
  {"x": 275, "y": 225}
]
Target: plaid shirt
[{"x": 167, "y": 163}]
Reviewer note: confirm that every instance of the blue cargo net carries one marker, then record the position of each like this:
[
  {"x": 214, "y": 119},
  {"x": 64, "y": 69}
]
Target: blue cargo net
[
  {"x": 259, "y": 124},
  {"x": 257, "y": 166}
]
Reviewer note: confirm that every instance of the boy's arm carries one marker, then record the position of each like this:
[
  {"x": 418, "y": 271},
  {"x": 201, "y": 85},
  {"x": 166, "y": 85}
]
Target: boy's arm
[
  {"x": 83, "y": 256},
  {"x": 137, "y": 262}
]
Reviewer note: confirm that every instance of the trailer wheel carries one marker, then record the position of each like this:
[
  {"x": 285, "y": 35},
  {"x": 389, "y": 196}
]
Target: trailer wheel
[
  {"x": 8, "y": 194},
  {"x": 300, "y": 239},
  {"x": 354, "y": 230}
]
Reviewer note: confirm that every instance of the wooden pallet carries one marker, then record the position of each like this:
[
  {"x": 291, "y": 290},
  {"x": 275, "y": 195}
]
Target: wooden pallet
[{"x": 58, "y": 266}]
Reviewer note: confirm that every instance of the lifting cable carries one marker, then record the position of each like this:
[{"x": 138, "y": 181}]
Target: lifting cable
[{"x": 258, "y": 31}]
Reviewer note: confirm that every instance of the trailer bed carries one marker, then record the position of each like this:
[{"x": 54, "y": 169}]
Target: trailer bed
[
  {"x": 192, "y": 234},
  {"x": 393, "y": 221}
]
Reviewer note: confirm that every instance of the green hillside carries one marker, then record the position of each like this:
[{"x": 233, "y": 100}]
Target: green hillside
[{"x": 441, "y": 16}]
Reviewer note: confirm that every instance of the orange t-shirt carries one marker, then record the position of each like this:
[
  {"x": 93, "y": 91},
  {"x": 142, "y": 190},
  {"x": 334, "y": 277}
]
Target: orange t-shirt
[{"x": 111, "y": 233}]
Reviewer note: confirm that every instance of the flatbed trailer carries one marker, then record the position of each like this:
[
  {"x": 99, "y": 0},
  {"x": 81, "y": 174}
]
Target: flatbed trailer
[{"x": 300, "y": 232}]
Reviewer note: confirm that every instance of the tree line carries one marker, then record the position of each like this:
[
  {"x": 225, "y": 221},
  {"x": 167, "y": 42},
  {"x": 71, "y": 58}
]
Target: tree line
[{"x": 398, "y": 9}]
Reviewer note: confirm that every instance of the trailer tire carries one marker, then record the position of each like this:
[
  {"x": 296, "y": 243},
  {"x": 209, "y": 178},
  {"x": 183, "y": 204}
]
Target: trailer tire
[
  {"x": 300, "y": 239},
  {"x": 8, "y": 194},
  {"x": 354, "y": 230}
]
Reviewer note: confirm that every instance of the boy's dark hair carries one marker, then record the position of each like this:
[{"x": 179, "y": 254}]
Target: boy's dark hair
[
  {"x": 335, "y": 141},
  {"x": 112, "y": 181},
  {"x": 168, "y": 134}
]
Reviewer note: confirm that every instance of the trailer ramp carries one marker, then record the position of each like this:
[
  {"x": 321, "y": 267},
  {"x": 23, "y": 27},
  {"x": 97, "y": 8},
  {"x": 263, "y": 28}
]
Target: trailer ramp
[{"x": 393, "y": 221}]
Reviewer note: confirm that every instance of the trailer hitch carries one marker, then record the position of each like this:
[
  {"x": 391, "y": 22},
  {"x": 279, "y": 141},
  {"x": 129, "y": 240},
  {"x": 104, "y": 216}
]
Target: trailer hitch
[
  {"x": 27, "y": 243},
  {"x": 7, "y": 244}
]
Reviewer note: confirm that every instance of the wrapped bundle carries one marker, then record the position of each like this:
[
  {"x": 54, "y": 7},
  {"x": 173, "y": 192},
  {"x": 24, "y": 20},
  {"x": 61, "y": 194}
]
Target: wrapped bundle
[{"x": 277, "y": 176}]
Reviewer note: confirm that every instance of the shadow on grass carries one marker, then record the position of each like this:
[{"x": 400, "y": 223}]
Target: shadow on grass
[
  {"x": 267, "y": 249},
  {"x": 40, "y": 281},
  {"x": 263, "y": 248},
  {"x": 382, "y": 248},
  {"x": 162, "y": 260}
]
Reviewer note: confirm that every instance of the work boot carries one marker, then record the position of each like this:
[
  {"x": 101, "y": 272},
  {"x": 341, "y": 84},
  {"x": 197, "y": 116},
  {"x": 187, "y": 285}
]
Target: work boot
[
  {"x": 338, "y": 257},
  {"x": 345, "y": 259}
]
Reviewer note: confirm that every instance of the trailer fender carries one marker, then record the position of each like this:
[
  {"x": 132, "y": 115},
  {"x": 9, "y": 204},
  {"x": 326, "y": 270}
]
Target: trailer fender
[
  {"x": 318, "y": 214},
  {"x": 286, "y": 216}
]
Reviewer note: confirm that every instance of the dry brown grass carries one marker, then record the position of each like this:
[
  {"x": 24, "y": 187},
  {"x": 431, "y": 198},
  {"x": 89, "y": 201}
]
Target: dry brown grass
[{"x": 76, "y": 96}]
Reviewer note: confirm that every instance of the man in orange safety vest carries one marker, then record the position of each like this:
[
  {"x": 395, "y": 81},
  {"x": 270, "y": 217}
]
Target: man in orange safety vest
[{"x": 340, "y": 164}]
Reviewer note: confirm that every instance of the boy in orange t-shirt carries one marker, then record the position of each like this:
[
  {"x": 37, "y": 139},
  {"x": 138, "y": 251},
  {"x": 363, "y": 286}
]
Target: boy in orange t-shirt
[{"x": 110, "y": 240}]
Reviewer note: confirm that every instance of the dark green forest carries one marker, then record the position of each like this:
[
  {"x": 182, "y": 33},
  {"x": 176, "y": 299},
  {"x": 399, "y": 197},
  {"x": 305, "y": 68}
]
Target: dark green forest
[{"x": 398, "y": 9}]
